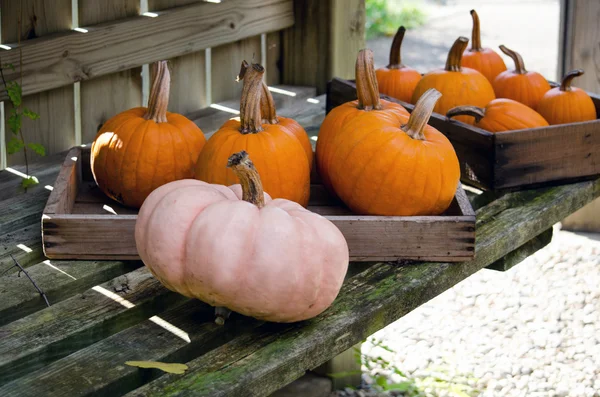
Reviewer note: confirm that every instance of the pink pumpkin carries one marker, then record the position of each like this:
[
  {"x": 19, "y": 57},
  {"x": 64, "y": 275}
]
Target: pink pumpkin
[{"x": 236, "y": 248}]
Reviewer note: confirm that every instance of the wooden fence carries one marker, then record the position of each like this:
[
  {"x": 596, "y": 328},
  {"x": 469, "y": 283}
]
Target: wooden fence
[{"x": 83, "y": 61}]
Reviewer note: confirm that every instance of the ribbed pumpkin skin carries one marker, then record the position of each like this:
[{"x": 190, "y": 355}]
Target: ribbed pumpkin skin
[
  {"x": 377, "y": 169},
  {"x": 508, "y": 115},
  {"x": 335, "y": 124},
  {"x": 486, "y": 61},
  {"x": 398, "y": 83},
  {"x": 269, "y": 149},
  {"x": 562, "y": 107},
  {"x": 465, "y": 87},
  {"x": 132, "y": 156},
  {"x": 296, "y": 129},
  {"x": 528, "y": 88}
]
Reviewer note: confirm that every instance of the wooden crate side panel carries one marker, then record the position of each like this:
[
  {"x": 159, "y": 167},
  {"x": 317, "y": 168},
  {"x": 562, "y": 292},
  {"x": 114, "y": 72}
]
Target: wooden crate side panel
[
  {"x": 561, "y": 152},
  {"x": 66, "y": 186},
  {"x": 55, "y": 128},
  {"x": 106, "y": 96}
]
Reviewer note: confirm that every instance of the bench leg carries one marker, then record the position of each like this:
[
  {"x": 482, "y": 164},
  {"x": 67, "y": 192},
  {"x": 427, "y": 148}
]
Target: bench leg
[{"x": 344, "y": 369}]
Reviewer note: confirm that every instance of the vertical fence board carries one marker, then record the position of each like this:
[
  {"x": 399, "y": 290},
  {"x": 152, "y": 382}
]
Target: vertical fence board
[
  {"x": 55, "y": 128},
  {"x": 188, "y": 72},
  {"x": 105, "y": 96},
  {"x": 273, "y": 58}
]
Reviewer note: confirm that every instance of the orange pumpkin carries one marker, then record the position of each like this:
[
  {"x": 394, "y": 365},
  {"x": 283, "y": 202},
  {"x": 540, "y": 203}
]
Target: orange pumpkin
[
  {"x": 458, "y": 85},
  {"x": 567, "y": 104},
  {"x": 270, "y": 145},
  {"x": 397, "y": 80},
  {"x": 519, "y": 84},
  {"x": 141, "y": 149},
  {"x": 501, "y": 115},
  {"x": 353, "y": 112},
  {"x": 484, "y": 60}
]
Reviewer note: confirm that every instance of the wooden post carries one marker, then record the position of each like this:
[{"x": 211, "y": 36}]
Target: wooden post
[
  {"x": 345, "y": 370},
  {"x": 580, "y": 49},
  {"x": 323, "y": 42}
]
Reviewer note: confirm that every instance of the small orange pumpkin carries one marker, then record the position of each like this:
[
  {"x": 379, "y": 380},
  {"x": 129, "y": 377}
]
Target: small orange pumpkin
[
  {"x": 351, "y": 113},
  {"x": 501, "y": 115},
  {"x": 458, "y": 85},
  {"x": 397, "y": 80},
  {"x": 141, "y": 149},
  {"x": 519, "y": 84},
  {"x": 270, "y": 145},
  {"x": 567, "y": 104},
  {"x": 484, "y": 60}
]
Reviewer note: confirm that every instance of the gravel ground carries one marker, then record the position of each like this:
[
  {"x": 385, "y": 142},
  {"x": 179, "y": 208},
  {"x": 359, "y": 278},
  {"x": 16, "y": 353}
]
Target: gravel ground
[{"x": 531, "y": 331}]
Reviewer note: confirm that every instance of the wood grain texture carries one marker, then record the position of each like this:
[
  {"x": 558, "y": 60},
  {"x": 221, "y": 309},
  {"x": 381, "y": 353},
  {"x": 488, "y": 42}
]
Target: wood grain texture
[
  {"x": 66, "y": 186},
  {"x": 514, "y": 258},
  {"x": 348, "y": 18},
  {"x": 121, "y": 45},
  {"x": 274, "y": 63},
  {"x": 55, "y": 127}
]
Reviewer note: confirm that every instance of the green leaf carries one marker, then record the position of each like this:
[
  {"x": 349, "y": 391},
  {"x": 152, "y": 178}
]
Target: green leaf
[
  {"x": 31, "y": 114},
  {"x": 172, "y": 368},
  {"x": 401, "y": 387},
  {"x": 14, "y": 121},
  {"x": 29, "y": 182},
  {"x": 40, "y": 150},
  {"x": 14, "y": 145},
  {"x": 381, "y": 381},
  {"x": 14, "y": 93}
]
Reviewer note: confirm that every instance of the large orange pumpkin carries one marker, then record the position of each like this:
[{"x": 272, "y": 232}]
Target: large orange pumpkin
[
  {"x": 279, "y": 155},
  {"x": 352, "y": 112},
  {"x": 501, "y": 115},
  {"x": 458, "y": 85},
  {"x": 484, "y": 60},
  {"x": 519, "y": 84},
  {"x": 141, "y": 149},
  {"x": 567, "y": 104},
  {"x": 397, "y": 80}
]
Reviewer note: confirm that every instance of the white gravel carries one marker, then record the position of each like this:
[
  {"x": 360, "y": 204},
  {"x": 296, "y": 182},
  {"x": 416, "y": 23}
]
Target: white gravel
[{"x": 531, "y": 331}]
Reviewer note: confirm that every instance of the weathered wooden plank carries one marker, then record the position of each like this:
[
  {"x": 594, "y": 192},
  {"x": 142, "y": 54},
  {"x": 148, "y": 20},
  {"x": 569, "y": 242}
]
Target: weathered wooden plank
[
  {"x": 24, "y": 244},
  {"x": 58, "y": 279},
  {"x": 348, "y": 19},
  {"x": 105, "y": 96},
  {"x": 512, "y": 259},
  {"x": 66, "y": 186},
  {"x": 55, "y": 127},
  {"x": 273, "y": 66},
  {"x": 44, "y": 169},
  {"x": 116, "y": 46},
  {"x": 22, "y": 210},
  {"x": 50, "y": 334},
  {"x": 261, "y": 361}
]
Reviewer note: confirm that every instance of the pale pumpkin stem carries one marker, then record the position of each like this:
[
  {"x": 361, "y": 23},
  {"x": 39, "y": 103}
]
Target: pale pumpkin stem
[
  {"x": 517, "y": 59},
  {"x": 565, "y": 85},
  {"x": 250, "y": 103},
  {"x": 473, "y": 111},
  {"x": 395, "y": 57},
  {"x": 367, "y": 89},
  {"x": 420, "y": 115},
  {"x": 159, "y": 93},
  {"x": 267, "y": 104},
  {"x": 455, "y": 54},
  {"x": 221, "y": 315},
  {"x": 476, "y": 33},
  {"x": 243, "y": 168}
]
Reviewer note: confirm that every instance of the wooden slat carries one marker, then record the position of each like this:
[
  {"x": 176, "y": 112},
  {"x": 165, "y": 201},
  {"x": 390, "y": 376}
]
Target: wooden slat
[
  {"x": 66, "y": 186},
  {"x": 273, "y": 66},
  {"x": 104, "y": 97},
  {"x": 128, "y": 43},
  {"x": 514, "y": 258},
  {"x": 347, "y": 36},
  {"x": 55, "y": 127},
  {"x": 24, "y": 244}
]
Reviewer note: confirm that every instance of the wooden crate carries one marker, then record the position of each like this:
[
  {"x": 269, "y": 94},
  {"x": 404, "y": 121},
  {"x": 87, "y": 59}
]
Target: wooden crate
[
  {"x": 80, "y": 222},
  {"x": 512, "y": 159}
]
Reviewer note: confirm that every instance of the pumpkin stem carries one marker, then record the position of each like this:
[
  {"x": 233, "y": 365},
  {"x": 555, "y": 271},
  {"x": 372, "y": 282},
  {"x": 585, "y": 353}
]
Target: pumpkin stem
[
  {"x": 395, "y": 57},
  {"x": 455, "y": 54},
  {"x": 267, "y": 105},
  {"x": 473, "y": 111},
  {"x": 250, "y": 103},
  {"x": 221, "y": 314},
  {"x": 476, "y": 33},
  {"x": 159, "y": 93},
  {"x": 565, "y": 85},
  {"x": 243, "y": 168},
  {"x": 517, "y": 59},
  {"x": 420, "y": 115},
  {"x": 367, "y": 89}
]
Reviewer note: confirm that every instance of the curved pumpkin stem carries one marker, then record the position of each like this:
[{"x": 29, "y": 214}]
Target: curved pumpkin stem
[
  {"x": 267, "y": 105},
  {"x": 159, "y": 93},
  {"x": 243, "y": 168},
  {"x": 517, "y": 59},
  {"x": 473, "y": 111},
  {"x": 395, "y": 57},
  {"x": 367, "y": 89},
  {"x": 420, "y": 115},
  {"x": 565, "y": 85},
  {"x": 455, "y": 54},
  {"x": 476, "y": 33},
  {"x": 250, "y": 103},
  {"x": 221, "y": 315}
]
